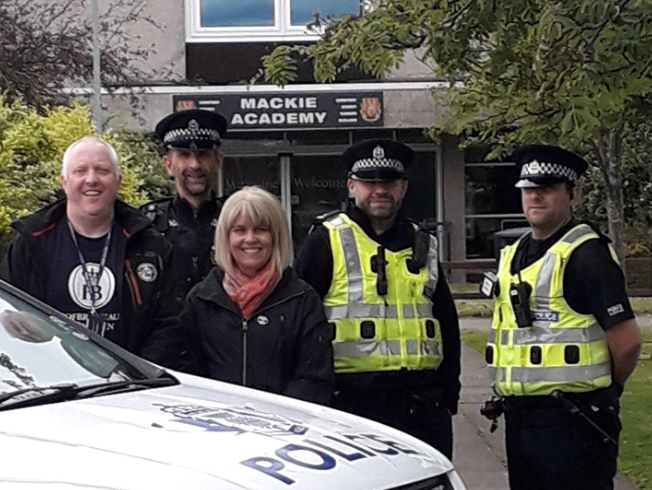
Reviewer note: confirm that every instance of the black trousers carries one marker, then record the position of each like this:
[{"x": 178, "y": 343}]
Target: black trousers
[
  {"x": 425, "y": 419},
  {"x": 548, "y": 448}
]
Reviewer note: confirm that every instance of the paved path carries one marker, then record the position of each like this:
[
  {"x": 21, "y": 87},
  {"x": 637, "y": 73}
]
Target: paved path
[{"x": 480, "y": 455}]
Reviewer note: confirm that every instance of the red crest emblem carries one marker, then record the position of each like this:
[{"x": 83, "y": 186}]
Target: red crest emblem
[
  {"x": 185, "y": 104},
  {"x": 370, "y": 109}
]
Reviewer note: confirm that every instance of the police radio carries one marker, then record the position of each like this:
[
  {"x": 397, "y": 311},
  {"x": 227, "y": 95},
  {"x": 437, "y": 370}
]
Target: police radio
[{"x": 519, "y": 295}]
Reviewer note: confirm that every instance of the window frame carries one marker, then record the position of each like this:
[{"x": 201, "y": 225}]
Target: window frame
[{"x": 281, "y": 31}]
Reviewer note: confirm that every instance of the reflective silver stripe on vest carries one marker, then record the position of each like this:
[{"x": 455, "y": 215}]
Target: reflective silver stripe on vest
[
  {"x": 433, "y": 264},
  {"x": 544, "y": 281},
  {"x": 430, "y": 348},
  {"x": 564, "y": 374},
  {"x": 426, "y": 347},
  {"x": 558, "y": 335},
  {"x": 366, "y": 349},
  {"x": 353, "y": 267},
  {"x": 345, "y": 312},
  {"x": 577, "y": 234},
  {"x": 422, "y": 311},
  {"x": 493, "y": 372},
  {"x": 540, "y": 335}
]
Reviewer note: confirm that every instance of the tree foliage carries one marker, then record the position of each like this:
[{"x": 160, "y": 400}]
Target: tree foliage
[
  {"x": 32, "y": 144},
  {"x": 575, "y": 73},
  {"x": 46, "y": 46}
]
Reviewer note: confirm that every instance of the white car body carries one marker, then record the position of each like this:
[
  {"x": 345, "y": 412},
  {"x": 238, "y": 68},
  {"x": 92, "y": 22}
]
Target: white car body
[{"x": 197, "y": 434}]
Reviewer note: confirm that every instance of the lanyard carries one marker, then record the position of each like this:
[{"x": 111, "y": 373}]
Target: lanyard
[{"x": 87, "y": 276}]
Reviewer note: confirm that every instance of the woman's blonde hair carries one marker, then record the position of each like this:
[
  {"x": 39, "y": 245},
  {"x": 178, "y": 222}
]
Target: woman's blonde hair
[{"x": 263, "y": 209}]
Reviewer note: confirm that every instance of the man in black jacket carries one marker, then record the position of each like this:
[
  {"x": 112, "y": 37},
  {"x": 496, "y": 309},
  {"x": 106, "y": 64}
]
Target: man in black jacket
[
  {"x": 98, "y": 260},
  {"x": 192, "y": 141},
  {"x": 397, "y": 339}
]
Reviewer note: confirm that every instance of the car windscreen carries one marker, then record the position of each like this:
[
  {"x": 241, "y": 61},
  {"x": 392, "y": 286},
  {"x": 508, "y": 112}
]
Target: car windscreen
[{"x": 38, "y": 349}]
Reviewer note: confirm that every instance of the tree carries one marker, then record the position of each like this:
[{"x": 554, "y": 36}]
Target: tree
[
  {"x": 32, "y": 143},
  {"x": 575, "y": 73},
  {"x": 46, "y": 46}
]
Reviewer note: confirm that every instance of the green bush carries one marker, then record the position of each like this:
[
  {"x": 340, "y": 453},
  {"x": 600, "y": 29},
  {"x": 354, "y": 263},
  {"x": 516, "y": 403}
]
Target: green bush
[{"x": 32, "y": 143}]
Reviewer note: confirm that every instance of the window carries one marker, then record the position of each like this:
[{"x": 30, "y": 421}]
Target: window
[
  {"x": 492, "y": 202},
  {"x": 260, "y": 20}
]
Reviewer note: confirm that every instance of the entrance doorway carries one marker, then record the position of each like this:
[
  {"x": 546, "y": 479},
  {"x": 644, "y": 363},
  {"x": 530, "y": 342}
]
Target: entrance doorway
[{"x": 312, "y": 181}]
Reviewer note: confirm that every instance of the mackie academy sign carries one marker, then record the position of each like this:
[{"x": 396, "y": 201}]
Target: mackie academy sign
[{"x": 247, "y": 112}]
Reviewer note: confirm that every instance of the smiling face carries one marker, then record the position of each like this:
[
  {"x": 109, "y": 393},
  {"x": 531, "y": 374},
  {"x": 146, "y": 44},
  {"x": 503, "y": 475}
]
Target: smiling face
[
  {"x": 548, "y": 208},
  {"x": 90, "y": 180},
  {"x": 250, "y": 245},
  {"x": 194, "y": 172}
]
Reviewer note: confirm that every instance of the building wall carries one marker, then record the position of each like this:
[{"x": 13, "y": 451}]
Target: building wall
[{"x": 172, "y": 61}]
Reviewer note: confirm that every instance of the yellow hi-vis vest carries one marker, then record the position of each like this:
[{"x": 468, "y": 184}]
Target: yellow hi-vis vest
[
  {"x": 380, "y": 333},
  {"x": 562, "y": 350}
]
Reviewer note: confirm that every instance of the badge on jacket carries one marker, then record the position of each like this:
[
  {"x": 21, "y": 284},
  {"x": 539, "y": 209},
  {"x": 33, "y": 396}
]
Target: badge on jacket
[
  {"x": 147, "y": 272},
  {"x": 262, "y": 320}
]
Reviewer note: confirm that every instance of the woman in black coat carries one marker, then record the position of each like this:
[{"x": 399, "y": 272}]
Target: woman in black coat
[{"x": 252, "y": 321}]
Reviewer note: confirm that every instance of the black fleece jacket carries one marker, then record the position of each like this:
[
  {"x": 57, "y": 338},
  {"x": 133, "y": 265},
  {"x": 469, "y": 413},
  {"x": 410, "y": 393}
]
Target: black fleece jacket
[
  {"x": 284, "y": 348},
  {"x": 149, "y": 309}
]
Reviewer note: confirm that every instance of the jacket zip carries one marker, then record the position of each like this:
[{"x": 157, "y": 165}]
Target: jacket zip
[{"x": 245, "y": 329}]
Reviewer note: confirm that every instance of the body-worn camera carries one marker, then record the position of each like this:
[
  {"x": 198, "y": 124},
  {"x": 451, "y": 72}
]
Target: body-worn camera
[{"x": 519, "y": 295}]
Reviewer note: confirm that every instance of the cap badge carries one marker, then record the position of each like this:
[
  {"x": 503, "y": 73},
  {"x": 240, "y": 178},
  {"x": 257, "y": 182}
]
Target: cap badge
[
  {"x": 378, "y": 152},
  {"x": 193, "y": 125},
  {"x": 532, "y": 168}
]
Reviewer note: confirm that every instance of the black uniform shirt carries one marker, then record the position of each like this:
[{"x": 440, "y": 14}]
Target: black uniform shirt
[
  {"x": 593, "y": 281},
  {"x": 192, "y": 234},
  {"x": 315, "y": 266}
]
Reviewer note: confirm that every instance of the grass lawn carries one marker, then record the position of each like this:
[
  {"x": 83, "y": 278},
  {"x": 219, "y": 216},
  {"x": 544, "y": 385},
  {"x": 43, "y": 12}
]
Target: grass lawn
[{"x": 636, "y": 413}]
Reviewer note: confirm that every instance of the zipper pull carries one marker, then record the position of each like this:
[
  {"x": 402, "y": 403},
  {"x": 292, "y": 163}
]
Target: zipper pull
[{"x": 245, "y": 325}]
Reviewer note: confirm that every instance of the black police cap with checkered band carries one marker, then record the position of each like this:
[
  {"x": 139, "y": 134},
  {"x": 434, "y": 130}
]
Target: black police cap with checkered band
[
  {"x": 191, "y": 129},
  {"x": 544, "y": 165},
  {"x": 377, "y": 160}
]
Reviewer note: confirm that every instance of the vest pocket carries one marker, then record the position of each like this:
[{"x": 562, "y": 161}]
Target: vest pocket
[
  {"x": 431, "y": 331},
  {"x": 489, "y": 354},
  {"x": 367, "y": 329},
  {"x": 536, "y": 355},
  {"x": 572, "y": 354}
]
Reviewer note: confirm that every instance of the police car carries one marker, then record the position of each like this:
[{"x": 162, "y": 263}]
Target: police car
[{"x": 77, "y": 412}]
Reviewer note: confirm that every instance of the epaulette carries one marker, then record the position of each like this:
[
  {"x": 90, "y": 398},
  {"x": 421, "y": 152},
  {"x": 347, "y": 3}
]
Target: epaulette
[
  {"x": 321, "y": 218},
  {"x": 604, "y": 238},
  {"x": 154, "y": 208},
  {"x": 428, "y": 225}
]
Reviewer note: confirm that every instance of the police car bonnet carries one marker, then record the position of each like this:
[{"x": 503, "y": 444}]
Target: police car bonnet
[
  {"x": 191, "y": 129},
  {"x": 543, "y": 165},
  {"x": 377, "y": 160}
]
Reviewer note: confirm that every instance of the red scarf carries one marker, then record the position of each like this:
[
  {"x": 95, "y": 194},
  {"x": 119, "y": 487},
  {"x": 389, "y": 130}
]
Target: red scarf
[{"x": 250, "y": 292}]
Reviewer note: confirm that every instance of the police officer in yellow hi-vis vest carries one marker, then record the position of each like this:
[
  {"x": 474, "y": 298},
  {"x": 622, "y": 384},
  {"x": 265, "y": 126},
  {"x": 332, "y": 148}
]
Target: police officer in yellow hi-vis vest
[
  {"x": 396, "y": 331},
  {"x": 564, "y": 339}
]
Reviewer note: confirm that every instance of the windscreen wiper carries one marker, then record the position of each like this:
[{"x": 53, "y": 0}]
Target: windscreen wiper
[
  {"x": 35, "y": 395},
  {"x": 89, "y": 391}
]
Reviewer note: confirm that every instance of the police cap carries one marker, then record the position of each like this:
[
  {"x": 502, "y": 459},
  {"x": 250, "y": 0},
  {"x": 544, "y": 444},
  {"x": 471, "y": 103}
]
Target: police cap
[
  {"x": 544, "y": 165},
  {"x": 191, "y": 129},
  {"x": 377, "y": 160}
]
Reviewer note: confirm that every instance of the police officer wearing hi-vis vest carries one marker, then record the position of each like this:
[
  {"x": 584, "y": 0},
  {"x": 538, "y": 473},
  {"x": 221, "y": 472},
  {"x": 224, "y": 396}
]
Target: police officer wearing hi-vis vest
[
  {"x": 563, "y": 340},
  {"x": 395, "y": 327}
]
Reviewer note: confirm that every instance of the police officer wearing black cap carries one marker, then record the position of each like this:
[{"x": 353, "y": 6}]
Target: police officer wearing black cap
[
  {"x": 192, "y": 139},
  {"x": 564, "y": 338},
  {"x": 395, "y": 328}
]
